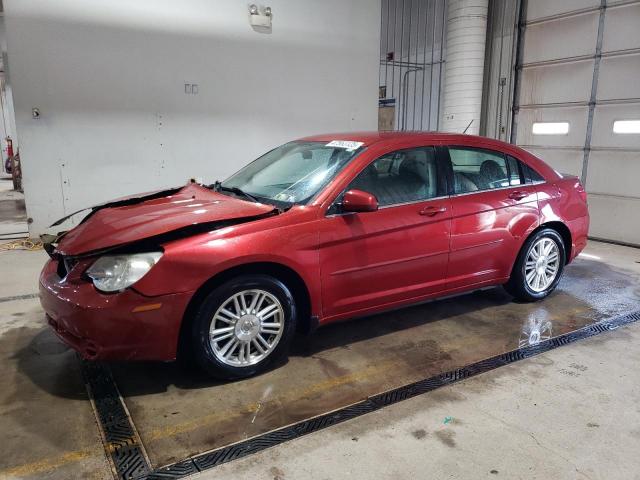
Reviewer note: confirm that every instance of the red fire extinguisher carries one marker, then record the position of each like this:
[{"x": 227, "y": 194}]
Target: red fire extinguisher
[{"x": 7, "y": 162}]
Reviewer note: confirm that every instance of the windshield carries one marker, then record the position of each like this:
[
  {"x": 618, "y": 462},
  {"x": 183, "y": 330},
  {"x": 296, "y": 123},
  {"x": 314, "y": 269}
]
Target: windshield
[{"x": 293, "y": 172}]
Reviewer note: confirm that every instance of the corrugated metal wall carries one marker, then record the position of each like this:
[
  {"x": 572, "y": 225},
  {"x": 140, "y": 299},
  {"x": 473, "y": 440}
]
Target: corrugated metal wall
[
  {"x": 581, "y": 65},
  {"x": 412, "y": 53}
]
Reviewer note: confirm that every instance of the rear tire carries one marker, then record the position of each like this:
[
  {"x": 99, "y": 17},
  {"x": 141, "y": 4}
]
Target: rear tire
[
  {"x": 243, "y": 326},
  {"x": 538, "y": 267}
]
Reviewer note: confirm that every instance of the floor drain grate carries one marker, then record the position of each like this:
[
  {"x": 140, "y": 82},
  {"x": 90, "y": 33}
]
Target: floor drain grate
[
  {"x": 120, "y": 438},
  {"x": 127, "y": 454}
]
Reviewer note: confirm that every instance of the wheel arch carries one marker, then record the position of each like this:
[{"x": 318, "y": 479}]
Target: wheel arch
[
  {"x": 563, "y": 231},
  {"x": 285, "y": 274}
]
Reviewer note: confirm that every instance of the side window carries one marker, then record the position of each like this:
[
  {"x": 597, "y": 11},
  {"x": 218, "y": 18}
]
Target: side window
[
  {"x": 530, "y": 175},
  {"x": 400, "y": 177},
  {"x": 475, "y": 169},
  {"x": 514, "y": 171}
]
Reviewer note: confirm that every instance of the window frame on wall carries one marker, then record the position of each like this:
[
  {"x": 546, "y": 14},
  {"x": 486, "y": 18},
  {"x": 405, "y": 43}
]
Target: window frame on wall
[
  {"x": 626, "y": 126},
  {"x": 551, "y": 128}
]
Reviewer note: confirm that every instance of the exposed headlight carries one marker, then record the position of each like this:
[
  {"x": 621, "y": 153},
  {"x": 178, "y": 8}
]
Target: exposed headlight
[{"x": 112, "y": 273}]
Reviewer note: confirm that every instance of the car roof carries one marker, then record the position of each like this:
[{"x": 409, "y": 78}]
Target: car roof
[
  {"x": 393, "y": 138},
  {"x": 369, "y": 138}
]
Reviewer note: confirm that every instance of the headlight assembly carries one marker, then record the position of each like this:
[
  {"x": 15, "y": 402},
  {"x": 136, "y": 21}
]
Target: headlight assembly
[{"x": 112, "y": 273}]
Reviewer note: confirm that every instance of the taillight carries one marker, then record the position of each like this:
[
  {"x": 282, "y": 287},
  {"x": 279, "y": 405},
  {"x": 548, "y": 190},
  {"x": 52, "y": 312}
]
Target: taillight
[{"x": 581, "y": 191}]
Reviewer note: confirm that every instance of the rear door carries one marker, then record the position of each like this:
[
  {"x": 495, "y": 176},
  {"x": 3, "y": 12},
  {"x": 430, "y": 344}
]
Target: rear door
[
  {"x": 492, "y": 209},
  {"x": 397, "y": 253}
]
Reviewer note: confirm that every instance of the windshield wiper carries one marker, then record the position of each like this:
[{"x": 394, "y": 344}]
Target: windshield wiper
[{"x": 217, "y": 186}]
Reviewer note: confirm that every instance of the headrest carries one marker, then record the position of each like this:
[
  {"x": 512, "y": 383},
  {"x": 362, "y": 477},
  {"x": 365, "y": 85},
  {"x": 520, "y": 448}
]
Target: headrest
[
  {"x": 412, "y": 164},
  {"x": 369, "y": 172},
  {"x": 491, "y": 169}
]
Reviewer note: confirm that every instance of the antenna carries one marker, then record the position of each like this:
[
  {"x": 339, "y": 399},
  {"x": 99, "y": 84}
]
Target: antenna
[{"x": 465, "y": 130}]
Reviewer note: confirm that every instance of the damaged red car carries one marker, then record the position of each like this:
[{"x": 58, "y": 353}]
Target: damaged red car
[{"x": 317, "y": 230}]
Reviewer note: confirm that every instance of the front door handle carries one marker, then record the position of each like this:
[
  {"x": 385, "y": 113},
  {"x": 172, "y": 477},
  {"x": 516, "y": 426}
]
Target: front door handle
[
  {"x": 518, "y": 195},
  {"x": 430, "y": 211}
]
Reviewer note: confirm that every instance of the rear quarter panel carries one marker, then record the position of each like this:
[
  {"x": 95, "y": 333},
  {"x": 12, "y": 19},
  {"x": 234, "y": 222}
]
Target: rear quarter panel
[{"x": 560, "y": 201}]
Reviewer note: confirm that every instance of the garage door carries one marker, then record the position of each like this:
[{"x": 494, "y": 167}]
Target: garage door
[{"x": 578, "y": 105}]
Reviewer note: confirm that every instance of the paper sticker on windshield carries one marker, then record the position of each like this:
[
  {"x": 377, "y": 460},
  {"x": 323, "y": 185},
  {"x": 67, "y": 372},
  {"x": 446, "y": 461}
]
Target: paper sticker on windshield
[{"x": 346, "y": 144}]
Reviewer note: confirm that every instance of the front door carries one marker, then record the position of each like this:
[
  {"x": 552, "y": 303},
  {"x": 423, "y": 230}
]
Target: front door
[{"x": 396, "y": 254}]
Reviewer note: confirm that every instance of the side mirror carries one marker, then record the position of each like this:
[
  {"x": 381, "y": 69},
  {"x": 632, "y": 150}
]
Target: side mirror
[{"x": 359, "y": 201}]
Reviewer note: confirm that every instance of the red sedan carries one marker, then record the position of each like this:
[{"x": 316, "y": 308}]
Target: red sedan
[{"x": 318, "y": 230}]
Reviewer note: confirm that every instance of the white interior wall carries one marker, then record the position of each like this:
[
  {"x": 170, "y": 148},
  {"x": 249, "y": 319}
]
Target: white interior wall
[{"x": 108, "y": 77}]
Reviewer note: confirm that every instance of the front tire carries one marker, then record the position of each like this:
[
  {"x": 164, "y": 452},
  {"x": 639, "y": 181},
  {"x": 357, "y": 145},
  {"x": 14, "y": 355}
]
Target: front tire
[
  {"x": 539, "y": 266},
  {"x": 243, "y": 326}
]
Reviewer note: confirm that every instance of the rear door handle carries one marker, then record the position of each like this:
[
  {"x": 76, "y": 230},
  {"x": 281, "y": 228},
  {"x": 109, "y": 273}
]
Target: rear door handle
[
  {"x": 518, "y": 195},
  {"x": 431, "y": 211}
]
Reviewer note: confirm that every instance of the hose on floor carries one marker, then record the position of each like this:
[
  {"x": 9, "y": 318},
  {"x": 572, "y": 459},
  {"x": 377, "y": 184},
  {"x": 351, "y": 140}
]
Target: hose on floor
[{"x": 25, "y": 244}]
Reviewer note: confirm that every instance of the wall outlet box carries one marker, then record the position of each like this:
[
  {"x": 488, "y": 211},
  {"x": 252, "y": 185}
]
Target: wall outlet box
[
  {"x": 260, "y": 20},
  {"x": 191, "y": 89}
]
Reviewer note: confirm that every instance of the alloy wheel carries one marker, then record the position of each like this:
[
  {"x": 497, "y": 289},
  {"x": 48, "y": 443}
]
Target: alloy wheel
[
  {"x": 246, "y": 328},
  {"x": 542, "y": 265}
]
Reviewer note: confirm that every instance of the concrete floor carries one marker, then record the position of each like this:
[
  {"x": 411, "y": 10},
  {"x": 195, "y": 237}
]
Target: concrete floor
[
  {"x": 47, "y": 422},
  {"x": 570, "y": 413}
]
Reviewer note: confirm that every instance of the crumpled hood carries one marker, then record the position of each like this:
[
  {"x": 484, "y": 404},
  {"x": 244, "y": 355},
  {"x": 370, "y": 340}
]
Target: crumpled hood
[{"x": 120, "y": 223}]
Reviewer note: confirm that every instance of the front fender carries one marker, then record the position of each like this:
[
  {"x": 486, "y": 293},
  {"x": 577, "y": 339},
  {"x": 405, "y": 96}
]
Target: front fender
[{"x": 188, "y": 263}]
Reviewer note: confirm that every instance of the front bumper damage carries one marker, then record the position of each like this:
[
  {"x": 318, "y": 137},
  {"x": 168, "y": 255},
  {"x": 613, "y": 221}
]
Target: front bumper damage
[{"x": 120, "y": 326}]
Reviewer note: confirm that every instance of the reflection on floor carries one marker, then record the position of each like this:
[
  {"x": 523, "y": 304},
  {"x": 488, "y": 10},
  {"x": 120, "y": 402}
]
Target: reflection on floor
[{"x": 180, "y": 414}]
